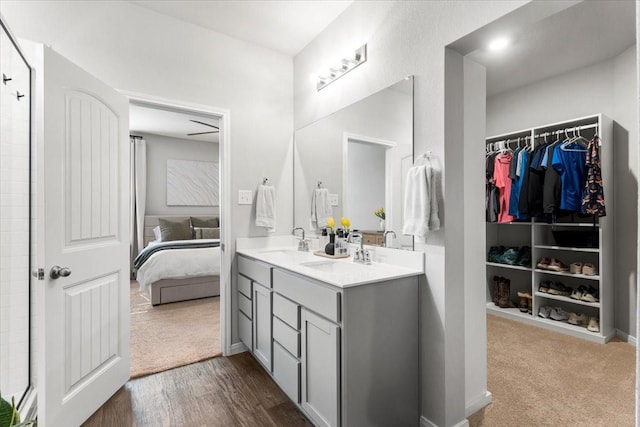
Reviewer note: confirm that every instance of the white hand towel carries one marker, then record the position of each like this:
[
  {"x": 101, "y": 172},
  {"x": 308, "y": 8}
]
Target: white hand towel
[
  {"x": 266, "y": 207},
  {"x": 420, "y": 202},
  {"x": 320, "y": 208}
]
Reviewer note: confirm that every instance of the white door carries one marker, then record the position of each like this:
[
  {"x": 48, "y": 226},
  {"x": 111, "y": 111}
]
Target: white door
[{"x": 83, "y": 317}]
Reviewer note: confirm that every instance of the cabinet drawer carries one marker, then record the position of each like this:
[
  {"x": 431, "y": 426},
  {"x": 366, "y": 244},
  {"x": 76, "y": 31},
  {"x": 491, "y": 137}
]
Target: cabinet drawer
[
  {"x": 286, "y": 310},
  {"x": 286, "y": 371},
  {"x": 314, "y": 296},
  {"x": 255, "y": 270},
  {"x": 245, "y": 330},
  {"x": 244, "y": 286},
  {"x": 244, "y": 304},
  {"x": 287, "y": 337},
  {"x": 369, "y": 239}
]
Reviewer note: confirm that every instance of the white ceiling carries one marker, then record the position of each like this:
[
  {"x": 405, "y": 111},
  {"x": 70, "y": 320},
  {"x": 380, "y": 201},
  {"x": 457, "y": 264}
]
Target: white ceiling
[
  {"x": 582, "y": 35},
  {"x": 170, "y": 123},
  {"x": 283, "y": 26}
]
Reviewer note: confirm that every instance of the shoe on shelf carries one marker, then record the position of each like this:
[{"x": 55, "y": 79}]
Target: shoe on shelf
[
  {"x": 494, "y": 289},
  {"x": 590, "y": 295},
  {"x": 509, "y": 256},
  {"x": 524, "y": 257},
  {"x": 494, "y": 253},
  {"x": 525, "y": 301},
  {"x": 544, "y": 263},
  {"x": 544, "y": 286},
  {"x": 577, "y": 319},
  {"x": 594, "y": 324},
  {"x": 544, "y": 312},
  {"x": 557, "y": 313},
  {"x": 575, "y": 268},
  {"x": 578, "y": 293},
  {"x": 558, "y": 288},
  {"x": 589, "y": 269},
  {"x": 504, "y": 293},
  {"x": 557, "y": 265}
]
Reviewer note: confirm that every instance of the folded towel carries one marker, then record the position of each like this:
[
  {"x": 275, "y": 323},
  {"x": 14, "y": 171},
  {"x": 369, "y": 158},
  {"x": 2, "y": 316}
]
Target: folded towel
[
  {"x": 266, "y": 207},
  {"x": 320, "y": 208},
  {"x": 420, "y": 202}
]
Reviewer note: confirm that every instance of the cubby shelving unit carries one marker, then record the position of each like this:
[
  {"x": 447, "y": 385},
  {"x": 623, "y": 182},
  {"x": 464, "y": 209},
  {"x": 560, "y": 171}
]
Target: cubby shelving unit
[{"x": 538, "y": 234}]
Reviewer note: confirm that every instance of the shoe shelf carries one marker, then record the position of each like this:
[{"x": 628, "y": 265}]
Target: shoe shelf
[
  {"x": 512, "y": 267},
  {"x": 567, "y": 299},
  {"x": 567, "y": 274},
  {"x": 566, "y": 224},
  {"x": 575, "y": 330},
  {"x": 509, "y": 313},
  {"x": 565, "y": 248}
]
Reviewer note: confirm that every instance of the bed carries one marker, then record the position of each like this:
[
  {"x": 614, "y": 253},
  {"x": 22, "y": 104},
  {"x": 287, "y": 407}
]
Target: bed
[{"x": 178, "y": 270}]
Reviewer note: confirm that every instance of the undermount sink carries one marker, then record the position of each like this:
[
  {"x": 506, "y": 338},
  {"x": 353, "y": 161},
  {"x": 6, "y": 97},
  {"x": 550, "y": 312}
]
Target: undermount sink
[
  {"x": 331, "y": 266},
  {"x": 281, "y": 252}
]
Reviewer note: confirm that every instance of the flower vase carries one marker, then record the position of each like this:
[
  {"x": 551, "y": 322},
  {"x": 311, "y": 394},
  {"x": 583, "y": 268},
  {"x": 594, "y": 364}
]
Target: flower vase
[
  {"x": 329, "y": 249},
  {"x": 381, "y": 225}
]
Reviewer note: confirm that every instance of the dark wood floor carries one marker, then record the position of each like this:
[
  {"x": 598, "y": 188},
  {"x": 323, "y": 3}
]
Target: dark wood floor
[{"x": 224, "y": 391}]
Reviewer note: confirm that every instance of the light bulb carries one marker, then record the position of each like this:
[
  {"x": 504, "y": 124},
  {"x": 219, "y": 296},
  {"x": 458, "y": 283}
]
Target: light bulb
[{"x": 499, "y": 44}]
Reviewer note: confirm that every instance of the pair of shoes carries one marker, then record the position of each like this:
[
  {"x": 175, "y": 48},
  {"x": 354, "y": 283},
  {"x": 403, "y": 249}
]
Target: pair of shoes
[
  {"x": 526, "y": 302},
  {"x": 552, "y": 264},
  {"x": 584, "y": 294},
  {"x": 544, "y": 312},
  {"x": 510, "y": 255},
  {"x": 594, "y": 325},
  {"x": 587, "y": 269},
  {"x": 577, "y": 319},
  {"x": 554, "y": 288},
  {"x": 557, "y": 313}
]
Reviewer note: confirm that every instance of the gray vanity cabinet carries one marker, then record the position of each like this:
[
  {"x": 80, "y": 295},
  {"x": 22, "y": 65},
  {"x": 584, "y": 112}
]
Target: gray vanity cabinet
[
  {"x": 262, "y": 326},
  {"x": 320, "y": 364}
]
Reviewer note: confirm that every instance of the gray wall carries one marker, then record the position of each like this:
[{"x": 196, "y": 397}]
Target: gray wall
[
  {"x": 366, "y": 181},
  {"x": 608, "y": 87},
  {"x": 159, "y": 150}
]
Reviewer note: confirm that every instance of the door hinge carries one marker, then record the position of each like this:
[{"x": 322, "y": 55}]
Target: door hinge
[{"x": 38, "y": 273}]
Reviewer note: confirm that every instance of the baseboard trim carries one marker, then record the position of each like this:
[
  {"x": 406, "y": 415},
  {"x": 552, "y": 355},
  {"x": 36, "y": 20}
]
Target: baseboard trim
[
  {"x": 478, "y": 403},
  {"x": 424, "y": 422},
  {"x": 626, "y": 337},
  {"x": 237, "y": 348}
]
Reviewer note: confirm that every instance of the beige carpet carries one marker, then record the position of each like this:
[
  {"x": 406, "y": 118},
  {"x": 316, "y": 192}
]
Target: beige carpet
[
  {"x": 171, "y": 335},
  {"x": 543, "y": 378}
]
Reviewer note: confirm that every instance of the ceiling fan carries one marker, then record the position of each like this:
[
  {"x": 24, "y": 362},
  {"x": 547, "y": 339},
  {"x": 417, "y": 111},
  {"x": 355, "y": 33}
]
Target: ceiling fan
[{"x": 217, "y": 129}]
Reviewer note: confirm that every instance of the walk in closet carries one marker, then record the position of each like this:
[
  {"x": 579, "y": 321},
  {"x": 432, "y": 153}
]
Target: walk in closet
[{"x": 580, "y": 281}]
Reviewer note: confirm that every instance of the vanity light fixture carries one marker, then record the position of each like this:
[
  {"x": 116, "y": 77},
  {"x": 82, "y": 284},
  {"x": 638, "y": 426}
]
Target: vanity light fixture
[
  {"x": 347, "y": 64},
  {"x": 499, "y": 44}
]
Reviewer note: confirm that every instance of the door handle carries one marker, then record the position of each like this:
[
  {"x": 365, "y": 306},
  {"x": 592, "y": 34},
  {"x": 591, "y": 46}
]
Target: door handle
[{"x": 57, "y": 272}]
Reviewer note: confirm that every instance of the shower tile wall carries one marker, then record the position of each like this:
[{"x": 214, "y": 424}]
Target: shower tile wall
[{"x": 14, "y": 223}]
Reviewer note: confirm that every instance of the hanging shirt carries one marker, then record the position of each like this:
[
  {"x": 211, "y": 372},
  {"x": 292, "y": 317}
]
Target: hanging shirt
[
  {"x": 536, "y": 181},
  {"x": 569, "y": 160},
  {"x": 593, "y": 194},
  {"x": 516, "y": 185},
  {"x": 503, "y": 184},
  {"x": 552, "y": 186}
]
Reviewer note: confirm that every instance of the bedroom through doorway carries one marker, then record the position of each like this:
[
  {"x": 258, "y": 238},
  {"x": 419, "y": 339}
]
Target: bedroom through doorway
[{"x": 175, "y": 301}]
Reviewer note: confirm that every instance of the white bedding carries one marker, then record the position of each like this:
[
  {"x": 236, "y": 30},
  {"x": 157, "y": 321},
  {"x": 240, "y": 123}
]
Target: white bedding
[{"x": 179, "y": 264}]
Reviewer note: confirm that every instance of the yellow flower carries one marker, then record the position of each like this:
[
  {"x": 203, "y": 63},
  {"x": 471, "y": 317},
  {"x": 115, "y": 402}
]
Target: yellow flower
[
  {"x": 345, "y": 222},
  {"x": 331, "y": 223}
]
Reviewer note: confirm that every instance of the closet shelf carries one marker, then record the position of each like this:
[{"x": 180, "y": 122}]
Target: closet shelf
[
  {"x": 566, "y": 274},
  {"x": 567, "y": 299},
  {"x": 508, "y": 312},
  {"x": 509, "y": 223},
  {"x": 566, "y": 224},
  {"x": 567, "y": 248},
  {"x": 575, "y": 328},
  {"x": 513, "y": 267}
]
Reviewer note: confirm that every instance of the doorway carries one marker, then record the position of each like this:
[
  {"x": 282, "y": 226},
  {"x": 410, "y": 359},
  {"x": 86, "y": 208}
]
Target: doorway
[{"x": 179, "y": 289}]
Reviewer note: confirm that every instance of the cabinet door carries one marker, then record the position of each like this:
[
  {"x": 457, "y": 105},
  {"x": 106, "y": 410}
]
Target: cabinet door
[
  {"x": 262, "y": 330},
  {"x": 320, "y": 369}
]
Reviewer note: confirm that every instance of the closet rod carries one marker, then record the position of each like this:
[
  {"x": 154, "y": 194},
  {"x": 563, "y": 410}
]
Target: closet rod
[
  {"x": 564, "y": 130},
  {"x": 510, "y": 140}
]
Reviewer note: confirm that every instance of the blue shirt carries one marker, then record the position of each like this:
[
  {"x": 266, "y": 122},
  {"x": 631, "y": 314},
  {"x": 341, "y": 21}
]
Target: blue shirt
[
  {"x": 571, "y": 167},
  {"x": 516, "y": 186}
]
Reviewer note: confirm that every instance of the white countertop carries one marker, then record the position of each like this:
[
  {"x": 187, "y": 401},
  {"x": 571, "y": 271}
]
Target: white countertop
[{"x": 342, "y": 272}]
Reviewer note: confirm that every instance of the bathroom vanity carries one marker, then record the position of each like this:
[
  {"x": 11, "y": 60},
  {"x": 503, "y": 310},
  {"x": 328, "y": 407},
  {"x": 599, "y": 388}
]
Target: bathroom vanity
[{"x": 341, "y": 339}]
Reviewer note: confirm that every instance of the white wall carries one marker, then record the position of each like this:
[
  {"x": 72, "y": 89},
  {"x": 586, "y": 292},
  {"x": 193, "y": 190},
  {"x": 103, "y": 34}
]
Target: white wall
[
  {"x": 137, "y": 50},
  {"x": 409, "y": 38},
  {"x": 608, "y": 87},
  {"x": 159, "y": 150},
  {"x": 366, "y": 181}
]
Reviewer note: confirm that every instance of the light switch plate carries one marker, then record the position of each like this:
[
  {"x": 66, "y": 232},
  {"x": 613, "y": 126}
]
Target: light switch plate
[
  {"x": 333, "y": 199},
  {"x": 245, "y": 197}
]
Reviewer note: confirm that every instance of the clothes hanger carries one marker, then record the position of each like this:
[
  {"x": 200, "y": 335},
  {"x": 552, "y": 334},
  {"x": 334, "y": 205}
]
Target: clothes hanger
[{"x": 574, "y": 138}]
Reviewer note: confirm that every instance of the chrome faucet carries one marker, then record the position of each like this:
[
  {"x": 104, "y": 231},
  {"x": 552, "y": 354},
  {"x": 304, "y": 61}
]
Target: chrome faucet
[
  {"x": 303, "y": 244},
  {"x": 386, "y": 233},
  {"x": 360, "y": 255}
]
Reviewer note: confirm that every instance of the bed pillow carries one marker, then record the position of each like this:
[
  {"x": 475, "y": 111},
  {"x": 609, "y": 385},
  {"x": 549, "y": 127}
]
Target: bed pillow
[
  {"x": 174, "y": 230},
  {"x": 157, "y": 234},
  {"x": 205, "y": 223},
  {"x": 206, "y": 232}
]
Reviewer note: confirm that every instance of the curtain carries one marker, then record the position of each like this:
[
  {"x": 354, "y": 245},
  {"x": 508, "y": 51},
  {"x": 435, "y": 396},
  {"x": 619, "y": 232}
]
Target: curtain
[{"x": 138, "y": 194}]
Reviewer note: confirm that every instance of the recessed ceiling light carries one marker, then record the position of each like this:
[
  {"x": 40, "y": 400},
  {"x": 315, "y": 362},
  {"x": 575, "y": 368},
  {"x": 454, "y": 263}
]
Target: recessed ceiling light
[{"x": 499, "y": 44}]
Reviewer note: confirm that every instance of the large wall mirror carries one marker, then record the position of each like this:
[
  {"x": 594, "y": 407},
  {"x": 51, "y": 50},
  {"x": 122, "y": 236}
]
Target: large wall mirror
[{"x": 360, "y": 154}]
